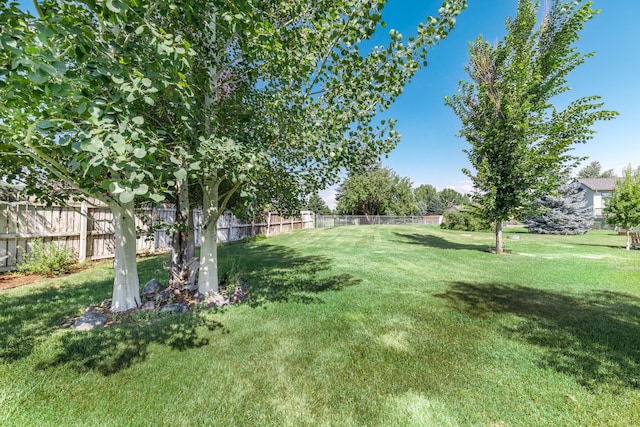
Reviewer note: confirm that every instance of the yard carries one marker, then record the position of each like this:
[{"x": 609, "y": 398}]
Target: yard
[{"x": 351, "y": 326}]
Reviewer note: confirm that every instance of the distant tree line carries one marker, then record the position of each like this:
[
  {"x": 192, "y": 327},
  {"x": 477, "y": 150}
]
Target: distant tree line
[{"x": 381, "y": 191}]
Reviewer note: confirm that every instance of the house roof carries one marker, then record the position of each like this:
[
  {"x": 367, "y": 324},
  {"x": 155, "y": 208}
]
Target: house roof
[{"x": 599, "y": 184}]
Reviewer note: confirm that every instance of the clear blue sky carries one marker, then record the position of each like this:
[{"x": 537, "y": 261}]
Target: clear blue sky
[{"x": 430, "y": 152}]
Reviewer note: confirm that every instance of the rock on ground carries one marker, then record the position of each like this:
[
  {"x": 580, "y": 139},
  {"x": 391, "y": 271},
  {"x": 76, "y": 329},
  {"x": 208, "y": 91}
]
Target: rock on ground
[{"x": 89, "y": 321}]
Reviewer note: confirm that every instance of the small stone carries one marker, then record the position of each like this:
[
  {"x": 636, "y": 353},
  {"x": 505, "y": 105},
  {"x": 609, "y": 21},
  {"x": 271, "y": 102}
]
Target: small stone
[
  {"x": 148, "y": 306},
  {"x": 217, "y": 300},
  {"x": 164, "y": 294},
  {"x": 238, "y": 295},
  {"x": 89, "y": 321},
  {"x": 189, "y": 288},
  {"x": 175, "y": 308},
  {"x": 152, "y": 287}
]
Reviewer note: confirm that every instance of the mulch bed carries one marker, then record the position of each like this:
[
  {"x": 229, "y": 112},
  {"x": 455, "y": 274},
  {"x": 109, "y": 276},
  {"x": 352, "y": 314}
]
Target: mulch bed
[{"x": 13, "y": 280}]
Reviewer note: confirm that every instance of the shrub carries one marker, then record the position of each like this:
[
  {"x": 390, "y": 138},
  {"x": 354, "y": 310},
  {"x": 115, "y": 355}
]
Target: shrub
[
  {"x": 47, "y": 260},
  {"x": 464, "y": 220}
]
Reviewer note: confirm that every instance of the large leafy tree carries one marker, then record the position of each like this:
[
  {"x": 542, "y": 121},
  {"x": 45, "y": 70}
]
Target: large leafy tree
[
  {"x": 623, "y": 208},
  {"x": 424, "y": 195},
  {"x": 281, "y": 100},
  {"x": 285, "y": 99},
  {"x": 450, "y": 198},
  {"x": 520, "y": 142},
  {"x": 565, "y": 212},
  {"x": 378, "y": 191},
  {"x": 75, "y": 84},
  {"x": 430, "y": 201}
]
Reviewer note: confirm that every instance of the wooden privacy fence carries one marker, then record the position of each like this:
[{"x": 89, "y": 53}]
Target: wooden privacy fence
[{"x": 88, "y": 229}]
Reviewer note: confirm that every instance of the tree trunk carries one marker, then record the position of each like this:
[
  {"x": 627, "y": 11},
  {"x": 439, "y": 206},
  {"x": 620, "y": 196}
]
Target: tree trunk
[
  {"x": 499, "y": 248},
  {"x": 126, "y": 285},
  {"x": 182, "y": 266},
  {"x": 629, "y": 238},
  {"x": 208, "y": 275}
]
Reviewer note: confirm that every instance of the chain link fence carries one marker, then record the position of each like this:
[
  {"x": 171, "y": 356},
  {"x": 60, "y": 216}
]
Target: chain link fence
[{"x": 330, "y": 221}]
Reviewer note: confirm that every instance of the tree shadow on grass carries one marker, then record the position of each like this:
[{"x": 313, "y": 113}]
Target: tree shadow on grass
[
  {"x": 275, "y": 274},
  {"x": 280, "y": 274},
  {"x": 110, "y": 350},
  {"x": 441, "y": 243},
  {"x": 595, "y": 337},
  {"x": 38, "y": 311}
]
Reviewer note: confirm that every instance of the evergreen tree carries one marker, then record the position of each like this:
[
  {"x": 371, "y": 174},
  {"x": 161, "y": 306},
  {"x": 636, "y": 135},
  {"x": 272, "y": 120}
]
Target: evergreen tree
[
  {"x": 564, "y": 213},
  {"x": 423, "y": 195},
  {"x": 317, "y": 205},
  {"x": 435, "y": 207}
]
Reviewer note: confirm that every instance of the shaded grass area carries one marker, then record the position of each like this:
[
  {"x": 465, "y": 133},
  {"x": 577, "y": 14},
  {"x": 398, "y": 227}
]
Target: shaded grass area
[
  {"x": 358, "y": 326},
  {"x": 592, "y": 337}
]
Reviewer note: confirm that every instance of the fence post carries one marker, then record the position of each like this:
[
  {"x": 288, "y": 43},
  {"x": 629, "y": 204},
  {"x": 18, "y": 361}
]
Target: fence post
[
  {"x": 268, "y": 223},
  {"x": 82, "y": 247}
]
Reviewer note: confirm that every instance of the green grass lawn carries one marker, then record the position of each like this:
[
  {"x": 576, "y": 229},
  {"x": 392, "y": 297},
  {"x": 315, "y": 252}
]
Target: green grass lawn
[{"x": 352, "y": 326}]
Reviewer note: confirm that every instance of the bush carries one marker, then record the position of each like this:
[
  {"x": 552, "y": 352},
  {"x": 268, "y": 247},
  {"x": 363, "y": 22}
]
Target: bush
[
  {"x": 465, "y": 220},
  {"x": 48, "y": 260}
]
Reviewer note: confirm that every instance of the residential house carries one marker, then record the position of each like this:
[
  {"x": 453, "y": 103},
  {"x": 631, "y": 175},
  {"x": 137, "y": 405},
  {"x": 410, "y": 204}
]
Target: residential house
[{"x": 596, "y": 192}]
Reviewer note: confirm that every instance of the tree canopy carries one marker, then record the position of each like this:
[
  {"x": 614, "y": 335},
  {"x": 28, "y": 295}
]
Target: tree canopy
[
  {"x": 75, "y": 85},
  {"x": 378, "y": 191},
  {"x": 430, "y": 201},
  {"x": 264, "y": 101},
  {"x": 520, "y": 142}
]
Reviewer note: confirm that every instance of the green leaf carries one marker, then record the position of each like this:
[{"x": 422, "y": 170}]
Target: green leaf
[
  {"x": 119, "y": 144},
  {"x": 114, "y": 6},
  {"x": 141, "y": 189},
  {"x": 116, "y": 188},
  {"x": 139, "y": 152},
  {"x": 44, "y": 124},
  {"x": 139, "y": 120},
  {"x": 127, "y": 196},
  {"x": 90, "y": 145},
  {"x": 156, "y": 197},
  {"x": 37, "y": 77},
  {"x": 180, "y": 174}
]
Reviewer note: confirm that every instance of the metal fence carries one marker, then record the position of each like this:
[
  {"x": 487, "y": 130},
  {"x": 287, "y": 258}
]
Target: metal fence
[
  {"x": 329, "y": 221},
  {"x": 88, "y": 230}
]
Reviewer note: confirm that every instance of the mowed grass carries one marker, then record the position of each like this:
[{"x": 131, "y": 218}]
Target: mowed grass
[{"x": 353, "y": 326}]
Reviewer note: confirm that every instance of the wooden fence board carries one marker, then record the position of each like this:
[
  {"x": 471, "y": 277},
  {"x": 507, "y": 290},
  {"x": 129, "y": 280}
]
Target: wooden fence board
[{"x": 88, "y": 230}]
